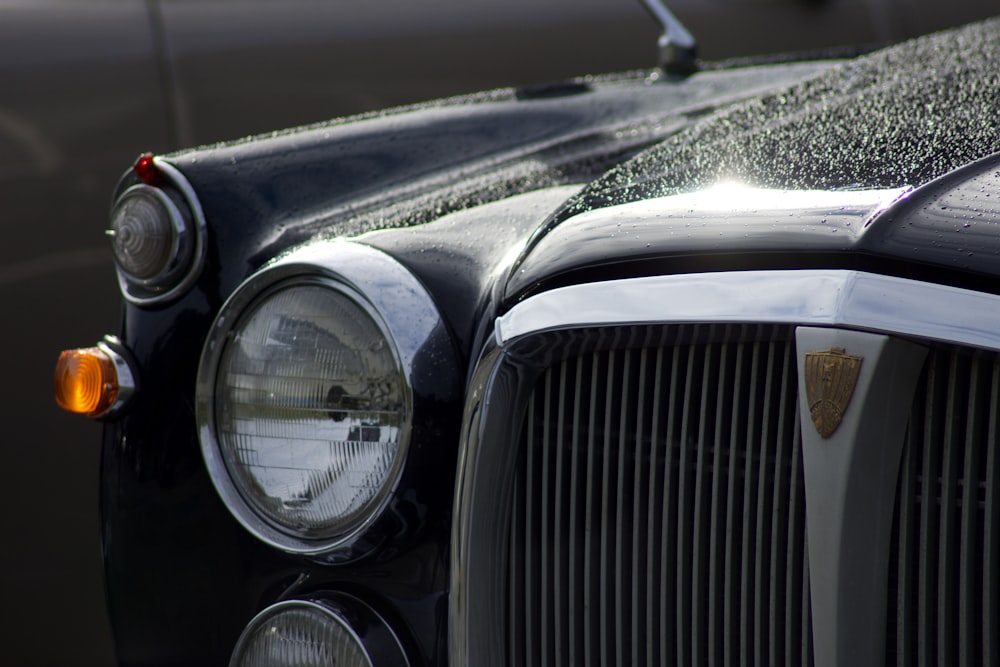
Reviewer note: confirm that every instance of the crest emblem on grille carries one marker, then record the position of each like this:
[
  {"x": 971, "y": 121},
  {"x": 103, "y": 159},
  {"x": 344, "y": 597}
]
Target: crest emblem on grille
[{"x": 831, "y": 377}]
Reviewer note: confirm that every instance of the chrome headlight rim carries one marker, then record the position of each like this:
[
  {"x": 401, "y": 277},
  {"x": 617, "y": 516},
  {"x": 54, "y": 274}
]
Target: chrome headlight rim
[{"x": 407, "y": 318}]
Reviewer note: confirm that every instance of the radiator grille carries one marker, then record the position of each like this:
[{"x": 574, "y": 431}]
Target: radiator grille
[
  {"x": 659, "y": 513},
  {"x": 944, "y": 606}
]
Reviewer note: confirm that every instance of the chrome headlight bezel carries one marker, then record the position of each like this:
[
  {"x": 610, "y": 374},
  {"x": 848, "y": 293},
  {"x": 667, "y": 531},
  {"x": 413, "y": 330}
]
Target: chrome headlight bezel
[{"x": 407, "y": 318}]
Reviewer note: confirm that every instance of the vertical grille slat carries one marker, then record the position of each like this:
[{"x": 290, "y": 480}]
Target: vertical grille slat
[
  {"x": 733, "y": 509},
  {"x": 545, "y": 560},
  {"x": 591, "y": 654},
  {"x": 762, "y": 603},
  {"x": 560, "y": 609},
  {"x": 749, "y": 484},
  {"x": 668, "y": 526},
  {"x": 970, "y": 546},
  {"x": 946, "y": 615},
  {"x": 663, "y": 470},
  {"x": 798, "y": 612},
  {"x": 721, "y": 462},
  {"x": 640, "y": 474},
  {"x": 779, "y": 557},
  {"x": 701, "y": 567},
  {"x": 906, "y": 536},
  {"x": 928, "y": 528},
  {"x": 516, "y": 645},
  {"x": 622, "y": 602},
  {"x": 606, "y": 568},
  {"x": 575, "y": 559},
  {"x": 530, "y": 586},
  {"x": 656, "y": 653},
  {"x": 682, "y": 591},
  {"x": 991, "y": 536},
  {"x": 943, "y": 560}
]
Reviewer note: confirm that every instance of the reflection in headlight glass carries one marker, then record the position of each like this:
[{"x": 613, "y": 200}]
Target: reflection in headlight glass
[{"x": 309, "y": 409}]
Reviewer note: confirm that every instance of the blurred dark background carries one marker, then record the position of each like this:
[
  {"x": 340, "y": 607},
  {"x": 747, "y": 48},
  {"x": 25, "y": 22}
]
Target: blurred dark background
[{"x": 86, "y": 85}]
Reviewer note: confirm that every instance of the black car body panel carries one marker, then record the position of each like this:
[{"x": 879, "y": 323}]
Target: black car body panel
[{"x": 481, "y": 200}]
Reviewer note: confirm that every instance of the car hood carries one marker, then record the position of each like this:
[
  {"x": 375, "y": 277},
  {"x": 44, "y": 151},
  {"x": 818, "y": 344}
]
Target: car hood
[
  {"x": 405, "y": 167},
  {"x": 898, "y": 117},
  {"x": 901, "y": 118}
]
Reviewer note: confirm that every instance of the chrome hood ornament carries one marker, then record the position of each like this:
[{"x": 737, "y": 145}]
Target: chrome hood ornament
[
  {"x": 831, "y": 377},
  {"x": 678, "y": 49}
]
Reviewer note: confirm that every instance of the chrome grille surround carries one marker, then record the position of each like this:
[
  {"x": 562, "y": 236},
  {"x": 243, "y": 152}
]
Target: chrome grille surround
[{"x": 508, "y": 370}]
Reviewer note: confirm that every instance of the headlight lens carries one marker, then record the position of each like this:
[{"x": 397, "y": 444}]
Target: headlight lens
[
  {"x": 299, "y": 633},
  {"x": 310, "y": 405},
  {"x": 306, "y": 392}
]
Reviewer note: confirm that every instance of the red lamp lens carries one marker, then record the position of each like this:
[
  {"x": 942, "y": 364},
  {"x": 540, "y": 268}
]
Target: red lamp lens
[{"x": 147, "y": 171}]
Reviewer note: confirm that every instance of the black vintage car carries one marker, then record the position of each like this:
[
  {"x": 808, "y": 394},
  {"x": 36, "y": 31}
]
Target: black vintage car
[{"x": 690, "y": 366}]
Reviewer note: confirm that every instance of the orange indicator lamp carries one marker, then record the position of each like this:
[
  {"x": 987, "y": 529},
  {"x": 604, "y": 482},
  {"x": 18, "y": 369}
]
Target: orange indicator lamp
[{"x": 92, "y": 381}]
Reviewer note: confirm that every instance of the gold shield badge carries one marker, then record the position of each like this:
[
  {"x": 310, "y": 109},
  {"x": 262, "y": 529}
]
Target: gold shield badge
[{"x": 830, "y": 380}]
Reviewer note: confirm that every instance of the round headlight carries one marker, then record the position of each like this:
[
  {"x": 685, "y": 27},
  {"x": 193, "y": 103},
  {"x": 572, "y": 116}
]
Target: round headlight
[
  {"x": 299, "y": 633},
  {"x": 333, "y": 629},
  {"x": 310, "y": 409},
  {"x": 306, "y": 393}
]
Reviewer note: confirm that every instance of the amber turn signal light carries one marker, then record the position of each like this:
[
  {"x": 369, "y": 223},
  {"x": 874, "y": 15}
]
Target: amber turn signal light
[
  {"x": 86, "y": 381},
  {"x": 96, "y": 381}
]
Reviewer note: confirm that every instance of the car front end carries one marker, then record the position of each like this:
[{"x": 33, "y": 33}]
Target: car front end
[{"x": 660, "y": 368}]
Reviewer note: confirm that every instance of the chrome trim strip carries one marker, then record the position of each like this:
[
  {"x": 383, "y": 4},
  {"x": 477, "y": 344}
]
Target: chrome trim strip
[
  {"x": 200, "y": 233},
  {"x": 409, "y": 319},
  {"x": 836, "y": 298}
]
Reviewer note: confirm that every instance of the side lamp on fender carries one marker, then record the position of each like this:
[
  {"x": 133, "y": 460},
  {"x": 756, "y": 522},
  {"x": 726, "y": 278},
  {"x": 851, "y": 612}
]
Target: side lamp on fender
[{"x": 95, "y": 381}]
